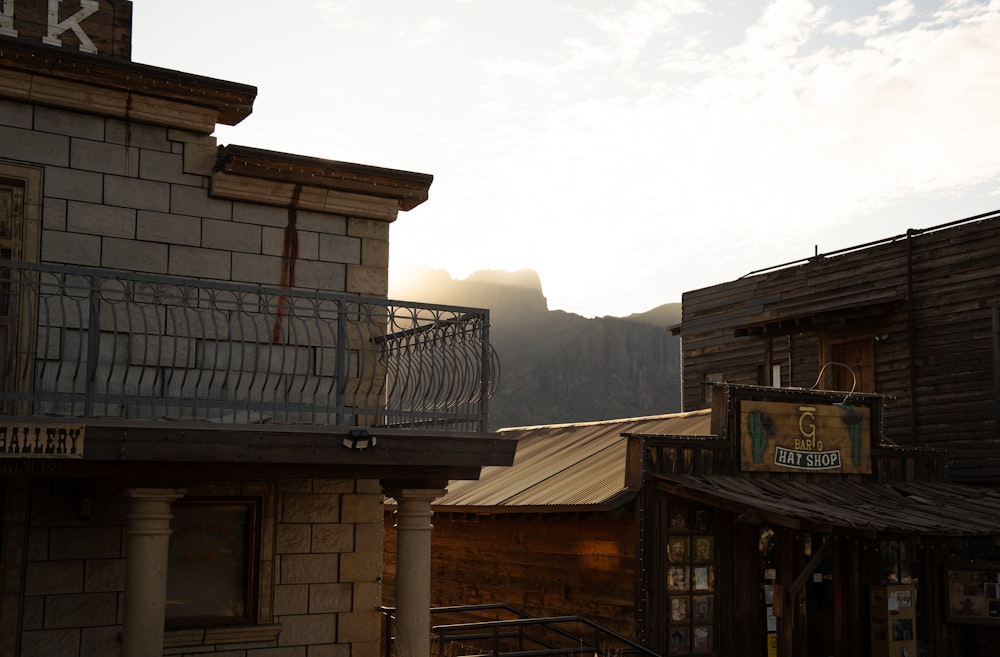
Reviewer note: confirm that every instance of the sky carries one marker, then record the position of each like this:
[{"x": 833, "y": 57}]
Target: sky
[{"x": 626, "y": 150}]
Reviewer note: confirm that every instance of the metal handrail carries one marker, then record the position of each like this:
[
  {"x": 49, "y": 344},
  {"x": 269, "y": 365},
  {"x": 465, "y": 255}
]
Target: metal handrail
[
  {"x": 91, "y": 342},
  {"x": 493, "y": 631}
]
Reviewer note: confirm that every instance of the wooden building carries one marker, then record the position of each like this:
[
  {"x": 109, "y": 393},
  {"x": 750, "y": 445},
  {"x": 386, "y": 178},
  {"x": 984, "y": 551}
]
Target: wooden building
[
  {"x": 555, "y": 534},
  {"x": 204, "y": 391},
  {"x": 915, "y": 317}
]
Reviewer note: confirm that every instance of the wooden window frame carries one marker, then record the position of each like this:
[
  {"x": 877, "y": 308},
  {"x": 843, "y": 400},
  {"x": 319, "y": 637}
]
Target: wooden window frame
[{"x": 250, "y": 542}]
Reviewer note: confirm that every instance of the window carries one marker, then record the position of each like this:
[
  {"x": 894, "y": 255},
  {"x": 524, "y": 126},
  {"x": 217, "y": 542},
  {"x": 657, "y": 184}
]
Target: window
[
  {"x": 690, "y": 579},
  {"x": 211, "y": 566}
]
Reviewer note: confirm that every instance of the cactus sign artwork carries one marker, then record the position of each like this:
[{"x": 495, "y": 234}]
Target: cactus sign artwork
[{"x": 804, "y": 437}]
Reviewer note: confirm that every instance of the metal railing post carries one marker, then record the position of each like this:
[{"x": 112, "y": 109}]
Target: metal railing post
[{"x": 93, "y": 345}]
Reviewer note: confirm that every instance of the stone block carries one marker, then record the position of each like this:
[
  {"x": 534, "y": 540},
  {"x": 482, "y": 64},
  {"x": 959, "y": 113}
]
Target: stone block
[
  {"x": 287, "y": 651},
  {"x": 104, "y": 158},
  {"x": 370, "y": 281},
  {"x": 332, "y": 538},
  {"x": 359, "y": 626},
  {"x": 73, "y": 124},
  {"x": 261, "y": 215},
  {"x": 102, "y": 575},
  {"x": 291, "y": 599},
  {"x": 309, "y": 568},
  {"x": 375, "y": 253},
  {"x": 95, "y": 219},
  {"x": 199, "y": 263},
  {"x": 195, "y": 201},
  {"x": 338, "y": 486},
  {"x": 199, "y": 159},
  {"x": 100, "y": 641},
  {"x": 368, "y": 536},
  {"x": 85, "y": 542},
  {"x": 33, "y": 613},
  {"x": 71, "y": 248},
  {"x": 361, "y": 507},
  {"x": 328, "y": 276},
  {"x": 54, "y": 214},
  {"x": 293, "y": 539},
  {"x": 310, "y": 508},
  {"x": 81, "y": 610},
  {"x": 137, "y": 193},
  {"x": 333, "y": 650},
  {"x": 34, "y": 147},
  {"x": 368, "y": 229},
  {"x": 273, "y": 243},
  {"x": 252, "y": 268},
  {"x": 369, "y": 486},
  {"x": 86, "y": 186},
  {"x": 295, "y": 486},
  {"x": 46, "y": 643},
  {"x": 360, "y": 566},
  {"x": 134, "y": 256},
  {"x": 38, "y": 544},
  {"x": 140, "y": 135},
  {"x": 166, "y": 167},
  {"x": 53, "y": 577},
  {"x": 15, "y": 115},
  {"x": 338, "y": 248},
  {"x": 322, "y": 222},
  {"x": 308, "y": 630},
  {"x": 367, "y": 595},
  {"x": 230, "y": 236},
  {"x": 168, "y": 228},
  {"x": 333, "y": 597}
]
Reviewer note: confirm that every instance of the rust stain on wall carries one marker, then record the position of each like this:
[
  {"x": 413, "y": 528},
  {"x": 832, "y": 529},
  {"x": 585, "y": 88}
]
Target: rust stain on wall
[{"x": 289, "y": 257}]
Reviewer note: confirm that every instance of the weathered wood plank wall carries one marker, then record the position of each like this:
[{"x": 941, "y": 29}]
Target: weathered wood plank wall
[
  {"x": 551, "y": 564},
  {"x": 926, "y": 302}
]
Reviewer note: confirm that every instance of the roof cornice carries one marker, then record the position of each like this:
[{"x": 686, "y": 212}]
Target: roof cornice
[{"x": 25, "y": 66}]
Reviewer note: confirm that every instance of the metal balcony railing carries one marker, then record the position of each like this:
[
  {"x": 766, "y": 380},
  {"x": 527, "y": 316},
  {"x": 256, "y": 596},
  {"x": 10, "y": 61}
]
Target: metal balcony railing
[{"x": 87, "y": 342}]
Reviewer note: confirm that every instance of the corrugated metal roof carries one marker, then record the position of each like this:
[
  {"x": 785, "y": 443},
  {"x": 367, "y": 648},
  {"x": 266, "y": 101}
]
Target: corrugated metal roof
[
  {"x": 900, "y": 507},
  {"x": 561, "y": 467}
]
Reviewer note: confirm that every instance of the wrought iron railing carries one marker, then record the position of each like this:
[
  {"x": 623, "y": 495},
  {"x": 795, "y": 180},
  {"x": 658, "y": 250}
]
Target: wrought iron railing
[{"x": 87, "y": 342}]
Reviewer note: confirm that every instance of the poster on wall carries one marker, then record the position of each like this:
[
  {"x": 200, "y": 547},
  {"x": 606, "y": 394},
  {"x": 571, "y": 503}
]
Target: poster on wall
[
  {"x": 974, "y": 594},
  {"x": 808, "y": 438}
]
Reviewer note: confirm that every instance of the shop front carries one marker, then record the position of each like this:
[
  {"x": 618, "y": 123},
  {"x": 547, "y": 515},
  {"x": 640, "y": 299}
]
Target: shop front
[{"x": 796, "y": 529}]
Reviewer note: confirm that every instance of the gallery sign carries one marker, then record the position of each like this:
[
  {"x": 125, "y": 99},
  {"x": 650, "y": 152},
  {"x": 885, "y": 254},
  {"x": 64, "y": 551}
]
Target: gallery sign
[
  {"x": 44, "y": 441},
  {"x": 804, "y": 437}
]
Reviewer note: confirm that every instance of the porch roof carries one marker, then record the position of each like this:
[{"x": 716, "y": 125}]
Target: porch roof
[{"x": 911, "y": 508}]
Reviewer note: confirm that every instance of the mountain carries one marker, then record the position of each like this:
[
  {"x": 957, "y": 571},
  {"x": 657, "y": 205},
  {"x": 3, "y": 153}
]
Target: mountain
[{"x": 555, "y": 366}]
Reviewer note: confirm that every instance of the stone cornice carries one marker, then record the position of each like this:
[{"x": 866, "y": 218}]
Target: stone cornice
[
  {"x": 113, "y": 87},
  {"x": 262, "y": 176}
]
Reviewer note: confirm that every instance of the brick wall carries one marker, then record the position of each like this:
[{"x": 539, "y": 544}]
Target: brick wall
[{"x": 320, "y": 565}]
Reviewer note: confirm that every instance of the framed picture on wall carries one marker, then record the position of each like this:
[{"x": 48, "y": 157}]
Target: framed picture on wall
[{"x": 973, "y": 593}]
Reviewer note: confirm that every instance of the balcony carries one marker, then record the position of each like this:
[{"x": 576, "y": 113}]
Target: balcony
[{"x": 95, "y": 343}]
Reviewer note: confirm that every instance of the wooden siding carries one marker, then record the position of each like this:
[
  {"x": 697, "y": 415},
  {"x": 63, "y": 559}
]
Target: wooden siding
[
  {"x": 555, "y": 564},
  {"x": 925, "y": 302}
]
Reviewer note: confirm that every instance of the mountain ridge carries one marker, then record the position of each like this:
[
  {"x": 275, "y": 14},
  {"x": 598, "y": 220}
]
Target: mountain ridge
[{"x": 556, "y": 366}]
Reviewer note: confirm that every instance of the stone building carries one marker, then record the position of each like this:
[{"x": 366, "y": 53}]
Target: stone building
[{"x": 205, "y": 392}]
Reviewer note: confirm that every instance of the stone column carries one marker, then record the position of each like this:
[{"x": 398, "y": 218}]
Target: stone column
[
  {"x": 413, "y": 570},
  {"x": 146, "y": 570}
]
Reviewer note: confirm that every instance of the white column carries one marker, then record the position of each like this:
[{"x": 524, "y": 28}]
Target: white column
[
  {"x": 413, "y": 570},
  {"x": 146, "y": 570}
]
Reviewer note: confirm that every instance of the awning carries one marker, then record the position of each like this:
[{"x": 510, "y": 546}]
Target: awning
[{"x": 908, "y": 508}]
